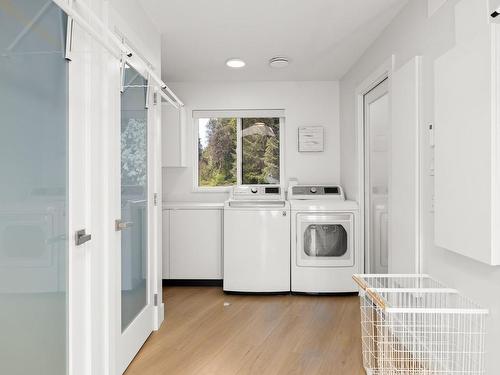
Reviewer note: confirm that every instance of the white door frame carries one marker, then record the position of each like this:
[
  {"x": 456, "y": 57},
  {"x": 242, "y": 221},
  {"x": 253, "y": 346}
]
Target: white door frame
[
  {"x": 384, "y": 71},
  {"x": 376, "y": 77}
]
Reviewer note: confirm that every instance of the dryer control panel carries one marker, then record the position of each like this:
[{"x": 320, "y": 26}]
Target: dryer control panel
[{"x": 316, "y": 192}]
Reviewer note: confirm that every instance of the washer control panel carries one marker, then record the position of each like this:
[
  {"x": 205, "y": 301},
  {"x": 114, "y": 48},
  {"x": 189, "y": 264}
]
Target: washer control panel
[
  {"x": 257, "y": 192},
  {"x": 316, "y": 192}
]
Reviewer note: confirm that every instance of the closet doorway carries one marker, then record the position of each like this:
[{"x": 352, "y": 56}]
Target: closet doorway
[{"x": 376, "y": 125}]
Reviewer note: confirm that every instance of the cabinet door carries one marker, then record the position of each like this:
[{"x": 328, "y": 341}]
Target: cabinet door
[
  {"x": 465, "y": 164},
  {"x": 195, "y": 244}
]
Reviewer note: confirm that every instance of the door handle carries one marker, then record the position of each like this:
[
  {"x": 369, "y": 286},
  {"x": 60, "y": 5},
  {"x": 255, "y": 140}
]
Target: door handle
[
  {"x": 121, "y": 225},
  {"x": 81, "y": 237}
]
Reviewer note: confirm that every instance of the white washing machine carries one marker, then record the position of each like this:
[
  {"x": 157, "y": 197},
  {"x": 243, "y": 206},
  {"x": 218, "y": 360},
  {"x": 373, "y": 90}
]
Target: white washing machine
[
  {"x": 325, "y": 245},
  {"x": 257, "y": 241}
]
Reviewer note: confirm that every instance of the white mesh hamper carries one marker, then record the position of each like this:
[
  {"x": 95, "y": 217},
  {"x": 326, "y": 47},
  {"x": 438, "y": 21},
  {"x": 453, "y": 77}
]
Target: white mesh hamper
[{"x": 426, "y": 329}]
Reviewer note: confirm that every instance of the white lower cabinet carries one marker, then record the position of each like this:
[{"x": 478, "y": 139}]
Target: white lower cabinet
[{"x": 192, "y": 245}]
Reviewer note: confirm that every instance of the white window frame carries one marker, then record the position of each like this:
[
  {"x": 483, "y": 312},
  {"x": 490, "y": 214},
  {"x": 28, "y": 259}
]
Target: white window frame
[{"x": 238, "y": 114}]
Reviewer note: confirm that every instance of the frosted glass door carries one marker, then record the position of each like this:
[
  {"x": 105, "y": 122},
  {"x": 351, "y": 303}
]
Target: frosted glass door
[
  {"x": 134, "y": 197},
  {"x": 33, "y": 188}
]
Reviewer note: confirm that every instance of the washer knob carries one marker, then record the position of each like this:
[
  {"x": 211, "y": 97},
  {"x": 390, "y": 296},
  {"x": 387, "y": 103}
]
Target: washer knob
[
  {"x": 254, "y": 190},
  {"x": 313, "y": 190}
]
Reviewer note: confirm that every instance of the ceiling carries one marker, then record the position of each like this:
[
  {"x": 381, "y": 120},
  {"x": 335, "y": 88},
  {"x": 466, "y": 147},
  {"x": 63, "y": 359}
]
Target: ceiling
[{"x": 322, "y": 38}]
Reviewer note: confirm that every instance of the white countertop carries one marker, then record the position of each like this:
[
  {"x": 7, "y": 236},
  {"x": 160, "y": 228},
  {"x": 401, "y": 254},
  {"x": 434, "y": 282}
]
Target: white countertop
[{"x": 193, "y": 205}]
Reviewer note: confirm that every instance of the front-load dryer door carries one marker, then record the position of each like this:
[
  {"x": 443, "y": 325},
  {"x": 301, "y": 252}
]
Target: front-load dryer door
[{"x": 325, "y": 240}]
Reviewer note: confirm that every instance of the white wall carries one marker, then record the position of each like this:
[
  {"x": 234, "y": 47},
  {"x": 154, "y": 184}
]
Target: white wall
[
  {"x": 413, "y": 33},
  {"x": 305, "y": 103}
]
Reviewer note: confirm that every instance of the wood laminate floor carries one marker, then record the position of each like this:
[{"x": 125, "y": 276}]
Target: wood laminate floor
[{"x": 208, "y": 332}]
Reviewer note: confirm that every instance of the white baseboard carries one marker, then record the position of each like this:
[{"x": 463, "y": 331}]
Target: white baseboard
[{"x": 159, "y": 312}]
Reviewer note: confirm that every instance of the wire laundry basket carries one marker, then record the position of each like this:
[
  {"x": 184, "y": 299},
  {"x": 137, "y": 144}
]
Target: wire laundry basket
[
  {"x": 369, "y": 335},
  {"x": 419, "y": 330},
  {"x": 396, "y": 281}
]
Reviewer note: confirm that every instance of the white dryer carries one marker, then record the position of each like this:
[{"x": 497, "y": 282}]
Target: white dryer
[{"x": 325, "y": 245}]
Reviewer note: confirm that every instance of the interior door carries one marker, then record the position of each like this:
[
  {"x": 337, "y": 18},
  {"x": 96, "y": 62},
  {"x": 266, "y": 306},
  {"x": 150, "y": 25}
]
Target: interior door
[
  {"x": 377, "y": 136},
  {"x": 133, "y": 226},
  {"x": 404, "y": 203},
  {"x": 43, "y": 197}
]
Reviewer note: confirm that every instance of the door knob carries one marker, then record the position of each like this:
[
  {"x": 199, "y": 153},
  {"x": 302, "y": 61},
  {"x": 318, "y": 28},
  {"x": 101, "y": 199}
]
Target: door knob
[{"x": 121, "y": 225}]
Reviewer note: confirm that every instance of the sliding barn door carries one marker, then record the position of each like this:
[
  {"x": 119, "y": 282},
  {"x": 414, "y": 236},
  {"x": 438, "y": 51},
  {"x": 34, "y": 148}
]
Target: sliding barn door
[
  {"x": 45, "y": 242},
  {"x": 404, "y": 183}
]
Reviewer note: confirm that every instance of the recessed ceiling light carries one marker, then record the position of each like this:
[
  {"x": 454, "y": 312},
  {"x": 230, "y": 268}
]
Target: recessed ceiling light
[
  {"x": 279, "y": 62},
  {"x": 235, "y": 63}
]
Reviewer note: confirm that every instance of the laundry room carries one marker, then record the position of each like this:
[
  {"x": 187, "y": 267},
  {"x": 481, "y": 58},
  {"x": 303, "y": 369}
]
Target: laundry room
[{"x": 249, "y": 187}]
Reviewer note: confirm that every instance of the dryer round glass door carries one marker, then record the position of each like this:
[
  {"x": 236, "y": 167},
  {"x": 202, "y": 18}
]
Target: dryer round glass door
[{"x": 325, "y": 240}]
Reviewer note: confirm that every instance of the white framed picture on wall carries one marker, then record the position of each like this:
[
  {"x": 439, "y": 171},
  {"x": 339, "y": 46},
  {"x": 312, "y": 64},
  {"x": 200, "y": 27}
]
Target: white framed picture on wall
[{"x": 311, "y": 139}]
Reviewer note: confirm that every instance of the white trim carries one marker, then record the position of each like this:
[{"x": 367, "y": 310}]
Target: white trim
[
  {"x": 79, "y": 275},
  {"x": 282, "y": 151},
  {"x": 381, "y": 73},
  {"x": 242, "y": 113},
  {"x": 495, "y": 142},
  {"x": 212, "y": 189},
  {"x": 419, "y": 204},
  {"x": 157, "y": 253},
  {"x": 239, "y": 152},
  {"x": 159, "y": 314}
]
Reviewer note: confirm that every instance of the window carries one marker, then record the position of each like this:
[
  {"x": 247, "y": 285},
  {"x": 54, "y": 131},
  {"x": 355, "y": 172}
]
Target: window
[
  {"x": 260, "y": 159},
  {"x": 237, "y": 148},
  {"x": 217, "y": 151}
]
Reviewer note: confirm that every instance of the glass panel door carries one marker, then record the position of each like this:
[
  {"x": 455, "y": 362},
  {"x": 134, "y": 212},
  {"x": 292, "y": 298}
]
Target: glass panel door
[
  {"x": 33, "y": 188},
  {"x": 134, "y": 197}
]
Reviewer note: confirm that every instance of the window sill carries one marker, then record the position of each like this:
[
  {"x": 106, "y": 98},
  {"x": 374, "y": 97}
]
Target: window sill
[{"x": 225, "y": 189}]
